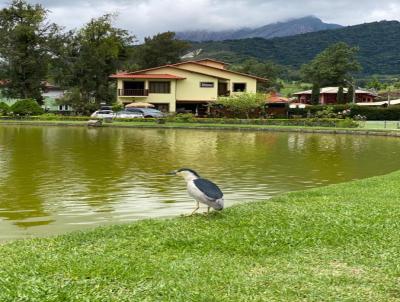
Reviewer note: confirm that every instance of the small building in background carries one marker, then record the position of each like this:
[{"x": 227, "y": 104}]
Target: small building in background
[
  {"x": 328, "y": 95},
  {"x": 51, "y": 98},
  {"x": 276, "y": 105}
]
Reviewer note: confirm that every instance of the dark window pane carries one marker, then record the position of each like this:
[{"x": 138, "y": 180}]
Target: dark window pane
[
  {"x": 239, "y": 87},
  {"x": 160, "y": 87}
]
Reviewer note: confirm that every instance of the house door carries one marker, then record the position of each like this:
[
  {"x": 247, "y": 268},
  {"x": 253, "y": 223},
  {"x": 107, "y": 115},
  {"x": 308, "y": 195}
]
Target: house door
[{"x": 222, "y": 89}]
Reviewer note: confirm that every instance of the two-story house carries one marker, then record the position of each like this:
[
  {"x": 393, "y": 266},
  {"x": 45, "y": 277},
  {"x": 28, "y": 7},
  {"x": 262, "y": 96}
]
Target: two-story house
[{"x": 183, "y": 86}]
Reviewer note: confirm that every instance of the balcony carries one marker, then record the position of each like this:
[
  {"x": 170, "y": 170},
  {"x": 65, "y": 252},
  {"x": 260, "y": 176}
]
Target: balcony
[{"x": 133, "y": 92}]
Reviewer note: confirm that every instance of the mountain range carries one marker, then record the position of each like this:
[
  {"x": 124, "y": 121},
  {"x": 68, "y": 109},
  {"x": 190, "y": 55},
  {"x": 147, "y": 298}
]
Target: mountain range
[
  {"x": 280, "y": 29},
  {"x": 378, "y": 43}
]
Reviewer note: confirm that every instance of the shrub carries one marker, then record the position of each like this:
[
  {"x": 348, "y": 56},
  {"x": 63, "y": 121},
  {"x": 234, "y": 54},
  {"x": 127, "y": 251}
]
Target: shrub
[
  {"x": 347, "y": 123},
  {"x": 4, "y": 108},
  {"x": 117, "y": 107},
  {"x": 241, "y": 105},
  {"x": 26, "y": 107},
  {"x": 182, "y": 117}
]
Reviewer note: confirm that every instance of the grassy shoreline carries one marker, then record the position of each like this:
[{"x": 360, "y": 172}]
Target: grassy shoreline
[
  {"x": 241, "y": 127},
  {"x": 336, "y": 243}
]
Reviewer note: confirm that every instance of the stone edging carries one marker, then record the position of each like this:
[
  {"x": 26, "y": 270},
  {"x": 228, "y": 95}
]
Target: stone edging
[{"x": 388, "y": 133}]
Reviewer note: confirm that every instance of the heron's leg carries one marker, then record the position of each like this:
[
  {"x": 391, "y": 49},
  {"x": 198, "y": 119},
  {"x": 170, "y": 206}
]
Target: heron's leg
[{"x": 195, "y": 210}]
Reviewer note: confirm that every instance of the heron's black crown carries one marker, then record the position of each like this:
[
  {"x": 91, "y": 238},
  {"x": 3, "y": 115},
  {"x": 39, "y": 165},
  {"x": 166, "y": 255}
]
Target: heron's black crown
[{"x": 190, "y": 170}]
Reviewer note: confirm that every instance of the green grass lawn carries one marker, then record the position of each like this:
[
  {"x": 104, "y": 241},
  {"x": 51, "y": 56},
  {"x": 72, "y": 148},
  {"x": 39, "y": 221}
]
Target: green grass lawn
[{"x": 336, "y": 243}]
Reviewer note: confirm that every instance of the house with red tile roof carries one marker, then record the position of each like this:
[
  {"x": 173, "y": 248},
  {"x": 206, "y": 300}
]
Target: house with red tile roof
[{"x": 185, "y": 86}]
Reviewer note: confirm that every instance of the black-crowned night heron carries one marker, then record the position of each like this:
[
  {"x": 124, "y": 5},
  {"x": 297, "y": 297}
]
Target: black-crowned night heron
[{"x": 202, "y": 190}]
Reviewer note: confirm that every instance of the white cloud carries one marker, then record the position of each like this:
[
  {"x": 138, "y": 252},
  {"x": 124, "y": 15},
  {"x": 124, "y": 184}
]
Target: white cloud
[{"x": 146, "y": 17}]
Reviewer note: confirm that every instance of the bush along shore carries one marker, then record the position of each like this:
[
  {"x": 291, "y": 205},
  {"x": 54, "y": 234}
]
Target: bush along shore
[
  {"x": 335, "y": 243},
  {"x": 189, "y": 119}
]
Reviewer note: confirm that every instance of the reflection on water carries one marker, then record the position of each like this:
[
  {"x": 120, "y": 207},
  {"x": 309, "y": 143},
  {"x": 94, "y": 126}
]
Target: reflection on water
[{"x": 54, "y": 180}]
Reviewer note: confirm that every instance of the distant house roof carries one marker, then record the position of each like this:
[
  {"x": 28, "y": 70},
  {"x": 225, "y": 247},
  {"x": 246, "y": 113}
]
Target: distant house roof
[
  {"x": 383, "y": 103},
  {"x": 335, "y": 90},
  {"x": 145, "y": 76},
  {"x": 276, "y": 98}
]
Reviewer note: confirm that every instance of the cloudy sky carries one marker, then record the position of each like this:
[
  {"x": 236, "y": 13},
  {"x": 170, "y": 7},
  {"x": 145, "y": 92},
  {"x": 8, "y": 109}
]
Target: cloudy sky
[{"x": 146, "y": 17}]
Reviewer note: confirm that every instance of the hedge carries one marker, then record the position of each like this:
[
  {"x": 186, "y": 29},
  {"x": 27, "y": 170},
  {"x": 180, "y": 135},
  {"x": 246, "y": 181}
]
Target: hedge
[
  {"x": 371, "y": 113},
  {"x": 312, "y": 122}
]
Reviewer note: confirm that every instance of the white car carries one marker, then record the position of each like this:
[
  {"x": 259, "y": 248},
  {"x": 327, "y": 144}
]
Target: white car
[
  {"x": 128, "y": 114},
  {"x": 103, "y": 114}
]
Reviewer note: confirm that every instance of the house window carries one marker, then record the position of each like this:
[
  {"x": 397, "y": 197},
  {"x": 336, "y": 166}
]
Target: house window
[
  {"x": 207, "y": 84},
  {"x": 60, "y": 107},
  {"x": 66, "y": 107},
  {"x": 159, "y": 87},
  {"x": 239, "y": 87}
]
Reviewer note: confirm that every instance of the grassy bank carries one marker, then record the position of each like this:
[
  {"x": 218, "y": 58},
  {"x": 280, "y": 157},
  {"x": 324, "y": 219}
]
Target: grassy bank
[{"x": 337, "y": 243}]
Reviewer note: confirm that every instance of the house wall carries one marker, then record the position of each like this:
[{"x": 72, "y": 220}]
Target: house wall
[
  {"x": 251, "y": 84},
  {"x": 189, "y": 88}
]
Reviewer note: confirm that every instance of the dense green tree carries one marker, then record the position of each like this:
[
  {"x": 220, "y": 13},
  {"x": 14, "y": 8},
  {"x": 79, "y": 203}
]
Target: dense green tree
[
  {"x": 333, "y": 66},
  {"x": 95, "y": 51},
  {"x": 376, "y": 84},
  {"x": 315, "y": 94},
  {"x": 340, "y": 95},
  {"x": 4, "y": 108},
  {"x": 25, "y": 49},
  {"x": 161, "y": 49},
  {"x": 350, "y": 94}
]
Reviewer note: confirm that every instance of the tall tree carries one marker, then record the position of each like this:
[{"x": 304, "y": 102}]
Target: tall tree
[
  {"x": 97, "y": 51},
  {"x": 350, "y": 94},
  {"x": 340, "y": 95},
  {"x": 333, "y": 66},
  {"x": 315, "y": 94},
  {"x": 161, "y": 49},
  {"x": 25, "y": 49}
]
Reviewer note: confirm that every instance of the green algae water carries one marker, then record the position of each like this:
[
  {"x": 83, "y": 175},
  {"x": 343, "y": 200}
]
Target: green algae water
[{"x": 59, "y": 179}]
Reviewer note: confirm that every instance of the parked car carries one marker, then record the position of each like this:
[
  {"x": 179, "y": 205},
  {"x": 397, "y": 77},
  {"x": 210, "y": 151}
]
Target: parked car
[
  {"x": 147, "y": 112},
  {"x": 103, "y": 114},
  {"x": 128, "y": 114}
]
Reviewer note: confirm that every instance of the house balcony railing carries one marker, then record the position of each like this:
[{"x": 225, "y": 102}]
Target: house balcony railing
[{"x": 133, "y": 92}]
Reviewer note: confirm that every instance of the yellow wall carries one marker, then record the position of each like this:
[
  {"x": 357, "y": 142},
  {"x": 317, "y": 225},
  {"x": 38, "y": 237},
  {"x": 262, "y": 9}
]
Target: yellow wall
[
  {"x": 189, "y": 89},
  {"x": 251, "y": 84}
]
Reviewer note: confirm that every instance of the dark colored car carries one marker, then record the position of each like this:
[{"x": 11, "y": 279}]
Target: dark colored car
[{"x": 147, "y": 112}]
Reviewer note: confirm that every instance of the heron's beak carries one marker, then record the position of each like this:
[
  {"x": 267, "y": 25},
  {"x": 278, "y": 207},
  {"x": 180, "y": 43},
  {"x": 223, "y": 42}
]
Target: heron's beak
[{"x": 171, "y": 173}]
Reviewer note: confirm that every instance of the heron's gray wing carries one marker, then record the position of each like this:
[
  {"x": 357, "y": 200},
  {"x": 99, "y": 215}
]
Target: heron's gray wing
[{"x": 210, "y": 189}]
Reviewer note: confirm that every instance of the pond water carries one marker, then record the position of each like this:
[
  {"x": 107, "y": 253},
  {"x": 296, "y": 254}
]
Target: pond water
[{"x": 54, "y": 179}]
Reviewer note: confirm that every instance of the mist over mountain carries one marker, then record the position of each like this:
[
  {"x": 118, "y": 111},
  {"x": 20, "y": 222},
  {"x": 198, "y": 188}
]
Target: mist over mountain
[
  {"x": 281, "y": 29},
  {"x": 378, "y": 43}
]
